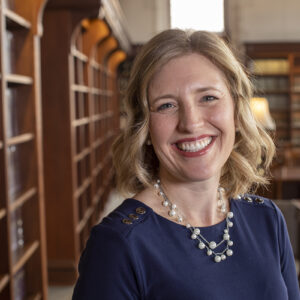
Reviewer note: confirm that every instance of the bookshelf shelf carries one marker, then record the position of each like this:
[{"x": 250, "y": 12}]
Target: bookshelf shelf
[
  {"x": 35, "y": 297},
  {"x": 14, "y": 20},
  {"x": 85, "y": 219},
  {"x": 79, "y": 55},
  {"x": 80, "y": 88},
  {"x": 95, "y": 91},
  {"x": 81, "y": 122},
  {"x": 2, "y": 213},
  {"x": 24, "y": 138},
  {"x": 15, "y": 79},
  {"x": 4, "y": 279},
  {"x": 22, "y": 199},
  {"x": 95, "y": 65},
  {"x": 82, "y": 154},
  {"x": 25, "y": 255},
  {"x": 98, "y": 195},
  {"x": 83, "y": 187}
]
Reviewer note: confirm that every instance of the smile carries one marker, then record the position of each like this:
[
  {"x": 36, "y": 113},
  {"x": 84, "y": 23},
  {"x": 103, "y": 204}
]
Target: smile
[{"x": 194, "y": 146}]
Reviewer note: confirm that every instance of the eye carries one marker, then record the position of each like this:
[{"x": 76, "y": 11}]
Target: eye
[
  {"x": 209, "y": 98},
  {"x": 165, "y": 106}
]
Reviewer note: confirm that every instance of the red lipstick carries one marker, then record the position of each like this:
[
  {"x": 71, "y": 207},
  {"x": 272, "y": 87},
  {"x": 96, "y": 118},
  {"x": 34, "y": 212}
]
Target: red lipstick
[{"x": 197, "y": 153}]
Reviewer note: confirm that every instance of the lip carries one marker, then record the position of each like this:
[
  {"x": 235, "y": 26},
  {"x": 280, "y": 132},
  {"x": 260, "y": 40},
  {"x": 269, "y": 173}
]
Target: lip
[{"x": 197, "y": 153}]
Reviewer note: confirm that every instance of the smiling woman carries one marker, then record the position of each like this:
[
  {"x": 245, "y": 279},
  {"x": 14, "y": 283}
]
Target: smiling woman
[
  {"x": 189, "y": 153},
  {"x": 137, "y": 170},
  {"x": 192, "y": 116}
]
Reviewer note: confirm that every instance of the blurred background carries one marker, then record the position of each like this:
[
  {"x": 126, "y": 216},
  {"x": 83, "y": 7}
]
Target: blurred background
[{"x": 64, "y": 66}]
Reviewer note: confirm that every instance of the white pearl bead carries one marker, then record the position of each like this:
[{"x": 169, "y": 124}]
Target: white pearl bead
[
  {"x": 188, "y": 225},
  {"x": 230, "y": 224},
  {"x": 217, "y": 258},
  {"x": 174, "y": 206},
  {"x": 209, "y": 252},
  {"x": 161, "y": 193},
  {"x": 225, "y": 230},
  {"x": 230, "y": 243},
  {"x": 172, "y": 213},
  {"x": 226, "y": 236},
  {"x": 229, "y": 252},
  {"x": 221, "y": 189},
  {"x": 201, "y": 245},
  {"x": 158, "y": 181},
  {"x": 180, "y": 219},
  {"x": 223, "y": 210},
  {"x": 193, "y": 236},
  {"x": 165, "y": 203},
  {"x": 230, "y": 214},
  {"x": 156, "y": 185},
  {"x": 197, "y": 231},
  {"x": 220, "y": 202},
  {"x": 223, "y": 256},
  {"x": 212, "y": 245}
]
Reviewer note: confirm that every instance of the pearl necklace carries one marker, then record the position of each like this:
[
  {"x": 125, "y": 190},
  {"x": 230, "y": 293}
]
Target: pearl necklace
[{"x": 203, "y": 244}]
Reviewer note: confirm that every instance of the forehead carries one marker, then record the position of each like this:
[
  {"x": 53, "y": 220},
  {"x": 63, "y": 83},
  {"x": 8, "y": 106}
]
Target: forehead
[{"x": 190, "y": 69}]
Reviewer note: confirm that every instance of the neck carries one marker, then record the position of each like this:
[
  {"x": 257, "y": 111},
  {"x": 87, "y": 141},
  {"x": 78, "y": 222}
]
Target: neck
[{"x": 196, "y": 201}]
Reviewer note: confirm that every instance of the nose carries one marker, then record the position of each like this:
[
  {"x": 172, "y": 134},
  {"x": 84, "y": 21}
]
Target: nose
[{"x": 190, "y": 119}]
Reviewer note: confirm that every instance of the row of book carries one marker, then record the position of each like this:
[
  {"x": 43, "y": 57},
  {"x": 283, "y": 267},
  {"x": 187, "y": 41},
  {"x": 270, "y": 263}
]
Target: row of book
[
  {"x": 269, "y": 66},
  {"x": 272, "y": 84}
]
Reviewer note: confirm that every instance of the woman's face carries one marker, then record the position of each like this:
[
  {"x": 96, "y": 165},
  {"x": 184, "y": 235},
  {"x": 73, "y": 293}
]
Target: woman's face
[{"x": 191, "y": 119}]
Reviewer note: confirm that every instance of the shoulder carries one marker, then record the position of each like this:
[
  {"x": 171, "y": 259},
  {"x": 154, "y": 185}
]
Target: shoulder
[
  {"x": 258, "y": 205},
  {"x": 261, "y": 213},
  {"x": 130, "y": 215},
  {"x": 255, "y": 201}
]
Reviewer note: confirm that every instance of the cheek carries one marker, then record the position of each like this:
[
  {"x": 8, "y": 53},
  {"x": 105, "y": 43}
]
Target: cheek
[
  {"x": 223, "y": 118},
  {"x": 161, "y": 127}
]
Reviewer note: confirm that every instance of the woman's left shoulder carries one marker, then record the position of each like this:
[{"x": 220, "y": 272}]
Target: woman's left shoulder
[
  {"x": 257, "y": 202},
  {"x": 258, "y": 208}
]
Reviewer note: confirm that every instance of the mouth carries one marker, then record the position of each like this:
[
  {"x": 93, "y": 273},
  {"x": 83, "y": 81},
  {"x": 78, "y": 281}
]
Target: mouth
[{"x": 194, "y": 146}]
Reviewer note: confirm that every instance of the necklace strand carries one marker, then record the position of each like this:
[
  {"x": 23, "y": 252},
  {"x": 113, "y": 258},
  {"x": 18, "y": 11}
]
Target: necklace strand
[{"x": 203, "y": 243}]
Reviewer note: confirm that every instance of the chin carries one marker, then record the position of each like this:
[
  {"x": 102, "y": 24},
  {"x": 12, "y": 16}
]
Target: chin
[{"x": 197, "y": 176}]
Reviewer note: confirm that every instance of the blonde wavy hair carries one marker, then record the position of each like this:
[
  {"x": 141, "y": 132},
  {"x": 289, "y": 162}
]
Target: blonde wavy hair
[{"x": 135, "y": 162}]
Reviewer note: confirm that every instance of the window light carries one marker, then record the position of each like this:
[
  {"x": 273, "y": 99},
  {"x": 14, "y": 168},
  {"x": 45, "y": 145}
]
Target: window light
[{"x": 197, "y": 14}]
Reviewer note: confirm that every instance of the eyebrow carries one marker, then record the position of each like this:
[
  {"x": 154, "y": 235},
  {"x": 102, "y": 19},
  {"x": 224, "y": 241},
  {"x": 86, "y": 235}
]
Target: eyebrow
[{"x": 198, "y": 90}]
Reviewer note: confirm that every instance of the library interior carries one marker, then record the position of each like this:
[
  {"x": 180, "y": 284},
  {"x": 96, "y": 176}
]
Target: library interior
[{"x": 64, "y": 68}]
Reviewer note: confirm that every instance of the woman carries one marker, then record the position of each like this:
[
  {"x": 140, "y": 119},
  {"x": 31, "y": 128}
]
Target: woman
[{"x": 189, "y": 153}]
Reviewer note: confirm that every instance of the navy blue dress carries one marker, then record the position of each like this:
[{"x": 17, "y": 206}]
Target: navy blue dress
[{"x": 154, "y": 258}]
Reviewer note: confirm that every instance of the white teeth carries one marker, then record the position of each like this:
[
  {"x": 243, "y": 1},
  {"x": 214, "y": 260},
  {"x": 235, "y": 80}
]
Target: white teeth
[{"x": 195, "y": 146}]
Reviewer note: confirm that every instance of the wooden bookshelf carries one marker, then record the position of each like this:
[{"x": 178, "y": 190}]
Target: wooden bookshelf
[
  {"x": 80, "y": 123},
  {"x": 23, "y": 269},
  {"x": 276, "y": 70}
]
